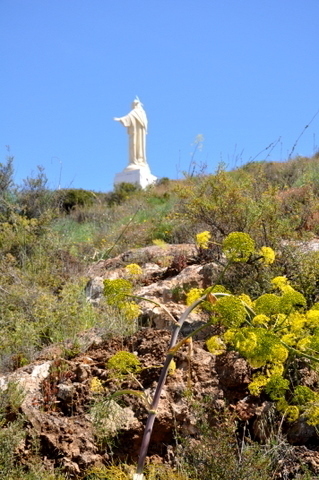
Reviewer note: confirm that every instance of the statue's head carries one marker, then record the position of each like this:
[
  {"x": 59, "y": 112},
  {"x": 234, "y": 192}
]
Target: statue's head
[{"x": 136, "y": 102}]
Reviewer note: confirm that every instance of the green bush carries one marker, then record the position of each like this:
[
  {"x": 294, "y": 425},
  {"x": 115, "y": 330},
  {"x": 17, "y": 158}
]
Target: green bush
[
  {"x": 34, "y": 197},
  {"x": 33, "y": 316},
  {"x": 68, "y": 199},
  {"x": 216, "y": 454},
  {"x": 12, "y": 431},
  {"x": 121, "y": 193},
  {"x": 247, "y": 200}
]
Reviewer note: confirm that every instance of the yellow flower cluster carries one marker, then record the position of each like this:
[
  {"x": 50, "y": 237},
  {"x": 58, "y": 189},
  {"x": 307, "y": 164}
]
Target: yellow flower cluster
[
  {"x": 303, "y": 344},
  {"x": 202, "y": 239},
  {"x": 123, "y": 363},
  {"x": 295, "y": 322},
  {"x": 266, "y": 332},
  {"x": 312, "y": 414},
  {"x": 215, "y": 345},
  {"x": 245, "y": 299},
  {"x": 289, "y": 339},
  {"x": 291, "y": 412},
  {"x": 231, "y": 311},
  {"x": 117, "y": 292},
  {"x": 281, "y": 283},
  {"x": 221, "y": 289},
  {"x": 133, "y": 269},
  {"x": 130, "y": 309},
  {"x": 313, "y": 318},
  {"x": 96, "y": 385},
  {"x": 274, "y": 384},
  {"x": 261, "y": 320},
  {"x": 256, "y": 386},
  {"x": 259, "y": 346},
  {"x": 193, "y": 295},
  {"x": 159, "y": 242},
  {"x": 275, "y": 369},
  {"x": 268, "y": 255},
  {"x": 238, "y": 246},
  {"x": 290, "y": 300}
]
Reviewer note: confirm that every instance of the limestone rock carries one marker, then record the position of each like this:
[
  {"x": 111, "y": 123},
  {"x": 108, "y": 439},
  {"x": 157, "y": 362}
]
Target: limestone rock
[
  {"x": 151, "y": 254},
  {"x": 166, "y": 286}
]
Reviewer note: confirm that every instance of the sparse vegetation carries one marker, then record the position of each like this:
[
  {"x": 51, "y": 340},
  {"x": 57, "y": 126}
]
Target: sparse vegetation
[{"x": 49, "y": 239}]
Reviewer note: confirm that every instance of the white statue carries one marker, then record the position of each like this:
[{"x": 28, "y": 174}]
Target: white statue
[{"x": 136, "y": 123}]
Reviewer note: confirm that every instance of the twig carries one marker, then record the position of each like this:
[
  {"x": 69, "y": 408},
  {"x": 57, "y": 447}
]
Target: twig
[
  {"x": 303, "y": 131},
  {"x": 272, "y": 144}
]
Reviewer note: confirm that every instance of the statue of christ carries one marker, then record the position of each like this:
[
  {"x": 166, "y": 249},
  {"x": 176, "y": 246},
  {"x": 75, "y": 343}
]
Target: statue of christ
[{"x": 136, "y": 123}]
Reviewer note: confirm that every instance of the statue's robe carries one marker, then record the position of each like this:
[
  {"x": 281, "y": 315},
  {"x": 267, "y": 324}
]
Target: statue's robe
[{"x": 136, "y": 123}]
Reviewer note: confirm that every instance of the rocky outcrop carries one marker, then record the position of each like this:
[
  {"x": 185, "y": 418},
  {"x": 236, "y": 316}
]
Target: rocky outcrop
[
  {"x": 163, "y": 256},
  {"x": 166, "y": 285},
  {"x": 60, "y": 403},
  {"x": 75, "y": 424}
]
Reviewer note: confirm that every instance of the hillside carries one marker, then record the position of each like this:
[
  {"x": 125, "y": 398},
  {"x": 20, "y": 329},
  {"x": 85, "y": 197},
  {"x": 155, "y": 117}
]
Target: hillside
[{"x": 92, "y": 285}]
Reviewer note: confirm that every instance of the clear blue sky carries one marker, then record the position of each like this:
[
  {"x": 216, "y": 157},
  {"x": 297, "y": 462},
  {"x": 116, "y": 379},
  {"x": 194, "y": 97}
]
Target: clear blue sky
[{"x": 243, "y": 73}]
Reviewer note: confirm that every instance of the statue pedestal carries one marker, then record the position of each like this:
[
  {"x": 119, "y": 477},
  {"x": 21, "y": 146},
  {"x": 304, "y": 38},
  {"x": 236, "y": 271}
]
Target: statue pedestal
[{"x": 140, "y": 176}]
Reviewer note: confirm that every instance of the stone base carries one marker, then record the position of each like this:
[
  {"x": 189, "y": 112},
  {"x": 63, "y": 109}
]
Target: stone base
[{"x": 139, "y": 176}]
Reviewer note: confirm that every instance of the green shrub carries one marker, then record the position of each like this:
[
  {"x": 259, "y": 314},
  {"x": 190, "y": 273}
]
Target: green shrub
[
  {"x": 121, "y": 193},
  {"x": 12, "y": 431},
  {"x": 6, "y": 176},
  {"x": 20, "y": 236},
  {"x": 32, "y": 317},
  {"x": 34, "y": 198},
  {"x": 123, "y": 472},
  {"x": 215, "y": 453},
  {"x": 11, "y": 435},
  {"x": 239, "y": 201},
  {"x": 68, "y": 199}
]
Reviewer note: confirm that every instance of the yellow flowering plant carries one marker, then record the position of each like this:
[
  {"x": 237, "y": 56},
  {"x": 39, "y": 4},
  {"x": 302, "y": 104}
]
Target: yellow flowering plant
[
  {"x": 203, "y": 239},
  {"x": 193, "y": 294},
  {"x": 123, "y": 363},
  {"x": 159, "y": 242},
  {"x": 96, "y": 386},
  {"x": 133, "y": 269},
  {"x": 270, "y": 332},
  {"x": 238, "y": 247},
  {"x": 118, "y": 293},
  {"x": 268, "y": 255}
]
